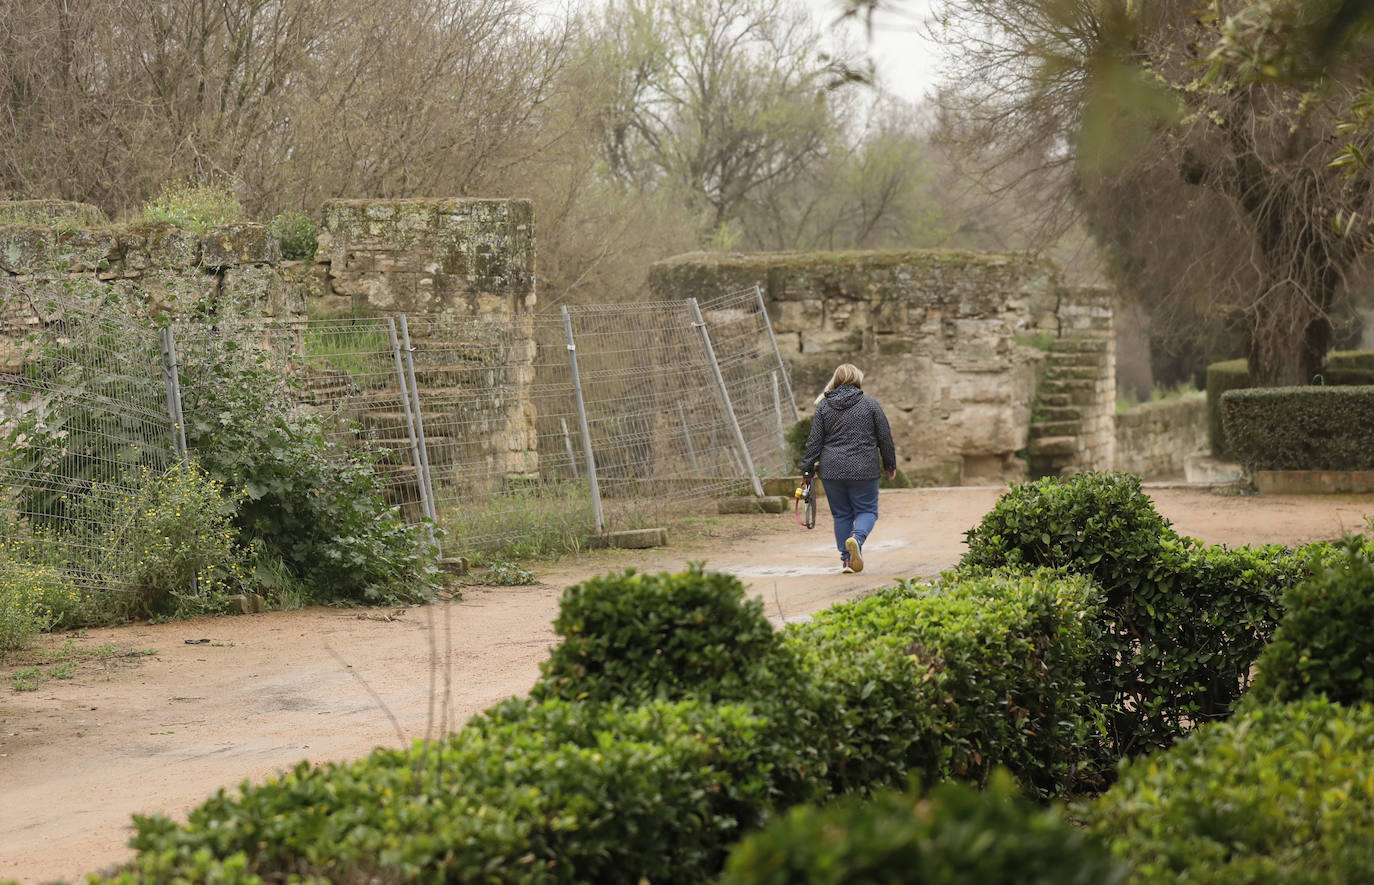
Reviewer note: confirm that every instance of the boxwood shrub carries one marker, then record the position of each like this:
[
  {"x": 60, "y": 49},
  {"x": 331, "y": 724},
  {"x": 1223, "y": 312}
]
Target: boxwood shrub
[
  {"x": 530, "y": 792},
  {"x": 1221, "y": 377},
  {"x": 1181, "y": 623},
  {"x": 951, "y": 835},
  {"x": 1278, "y": 794},
  {"x": 1300, "y": 428},
  {"x": 1324, "y": 645},
  {"x": 1346, "y": 367},
  {"x": 997, "y": 661},
  {"x": 640, "y": 636}
]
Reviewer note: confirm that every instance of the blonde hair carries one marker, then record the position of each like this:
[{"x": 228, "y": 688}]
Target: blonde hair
[{"x": 845, "y": 374}]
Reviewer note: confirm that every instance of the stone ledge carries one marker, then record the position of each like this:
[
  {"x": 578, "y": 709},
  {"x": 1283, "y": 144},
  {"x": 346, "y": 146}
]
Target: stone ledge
[
  {"x": 766, "y": 504},
  {"x": 631, "y": 539},
  {"x": 1314, "y": 482}
]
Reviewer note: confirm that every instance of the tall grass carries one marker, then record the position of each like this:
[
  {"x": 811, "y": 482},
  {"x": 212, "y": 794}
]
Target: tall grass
[{"x": 527, "y": 523}]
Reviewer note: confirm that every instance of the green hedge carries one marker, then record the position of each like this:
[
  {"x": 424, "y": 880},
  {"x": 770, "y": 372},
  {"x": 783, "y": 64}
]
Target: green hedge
[
  {"x": 998, "y": 661},
  {"x": 528, "y": 793},
  {"x": 1301, "y": 428},
  {"x": 1182, "y": 623},
  {"x": 1349, "y": 367},
  {"x": 951, "y": 835},
  {"x": 639, "y": 636},
  {"x": 1324, "y": 645},
  {"x": 1221, "y": 377},
  {"x": 1343, "y": 368},
  {"x": 1275, "y": 796}
]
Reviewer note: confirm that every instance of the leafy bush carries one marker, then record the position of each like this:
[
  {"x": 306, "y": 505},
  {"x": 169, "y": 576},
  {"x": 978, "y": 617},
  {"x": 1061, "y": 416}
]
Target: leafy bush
[
  {"x": 638, "y": 636},
  {"x": 169, "y": 538},
  {"x": 1182, "y": 623},
  {"x": 297, "y": 235},
  {"x": 1277, "y": 794},
  {"x": 195, "y": 206},
  {"x": 1300, "y": 428},
  {"x": 1323, "y": 645},
  {"x": 1000, "y": 659},
  {"x": 951, "y": 835},
  {"x": 552, "y": 792},
  {"x": 32, "y": 597},
  {"x": 1221, "y": 377},
  {"x": 307, "y": 500},
  {"x": 796, "y": 439}
]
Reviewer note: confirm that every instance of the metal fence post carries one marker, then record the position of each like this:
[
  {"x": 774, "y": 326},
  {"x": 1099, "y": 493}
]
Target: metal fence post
[
  {"x": 687, "y": 436},
  {"x": 172, "y": 382},
  {"x": 582, "y": 418},
  {"x": 567, "y": 444},
  {"x": 782, "y": 432},
  {"x": 407, "y": 351},
  {"x": 700, "y": 323},
  {"x": 786, "y": 382},
  {"x": 426, "y": 503}
]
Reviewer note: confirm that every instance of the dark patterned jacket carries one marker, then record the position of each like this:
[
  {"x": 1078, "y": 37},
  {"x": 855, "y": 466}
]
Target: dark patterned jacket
[{"x": 849, "y": 436}]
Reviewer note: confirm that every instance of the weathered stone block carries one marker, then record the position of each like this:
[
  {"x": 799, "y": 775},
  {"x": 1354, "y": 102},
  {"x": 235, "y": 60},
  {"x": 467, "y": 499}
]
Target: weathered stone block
[
  {"x": 766, "y": 504},
  {"x": 238, "y": 244}
]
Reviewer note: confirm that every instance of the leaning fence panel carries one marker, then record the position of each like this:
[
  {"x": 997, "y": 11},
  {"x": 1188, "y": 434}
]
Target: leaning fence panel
[{"x": 85, "y": 420}]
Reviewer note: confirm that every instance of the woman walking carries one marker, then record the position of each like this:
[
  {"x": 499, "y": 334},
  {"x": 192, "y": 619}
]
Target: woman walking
[{"x": 853, "y": 443}]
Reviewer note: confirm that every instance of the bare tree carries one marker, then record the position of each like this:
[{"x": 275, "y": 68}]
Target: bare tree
[{"x": 1201, "y": 160}]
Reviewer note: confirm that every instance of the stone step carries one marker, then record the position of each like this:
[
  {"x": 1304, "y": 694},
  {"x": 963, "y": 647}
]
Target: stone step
[
  {"x": 1057, "y": 413},
  {"x": 1068, "y": 385},
  {"x": 1081, "y": 344},
  {"x": 1052, "y": 445},
  {"x": 1044, "y": 429},
  {"x": 1072, "y": 373},
  {"x": 1076, "y": 360},
  {"x": 1054, "y": 400}
]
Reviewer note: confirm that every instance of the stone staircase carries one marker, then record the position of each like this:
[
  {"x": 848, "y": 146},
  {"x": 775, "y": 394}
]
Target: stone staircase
[{"x": 1068, "y": 419}]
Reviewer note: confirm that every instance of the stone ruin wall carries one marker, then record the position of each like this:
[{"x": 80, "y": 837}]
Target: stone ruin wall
[
  {"x": 152, "y": 266},
  {"x": 939, "y": 335},
  {"x": 454, "y": 262},
  {"x": 461, "y": 268}
]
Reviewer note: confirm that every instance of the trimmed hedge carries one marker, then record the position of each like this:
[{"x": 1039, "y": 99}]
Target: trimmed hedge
[
  {"x": 528, "y": 793},
  {"x": 1344, "y": 368},
  {"x": 951, "y": 835},
  {"x": 1324, "y": 645},
  {"x": 637, "y": 637},
  {"x": 1300, "y": 428},
  {"x": 998, "y": 660},
  {"x": 1349, "y": 367},
  {"x": 1221, "y": 377},
  {"x": 1277, "y": 795},
  {"x": 1181, "y": 623}
]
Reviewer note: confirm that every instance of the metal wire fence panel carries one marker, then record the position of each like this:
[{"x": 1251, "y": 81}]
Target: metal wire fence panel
[
  {"x": 754, "y": 375},
  {"x": 349, "y": 373},
  {"x": 474, "y": 422},
  {"x": 85, "y": 415}
]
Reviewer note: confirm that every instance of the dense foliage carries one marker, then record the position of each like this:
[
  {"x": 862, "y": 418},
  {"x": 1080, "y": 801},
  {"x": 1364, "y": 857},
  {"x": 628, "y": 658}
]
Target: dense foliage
[
  {"x": 537, "y": 793},
  {"x": 307, "y": 500},
  {"x": 998, "y": 663},
  {"x": 1324, "y": 645},
  {"x": 950, "y": 835},
  {"x": 639, "y": 636},
  {"x": 1221, "y": 377},
  {"x": 1300, "y": 428},
  {"x": 1182, "y": 623},
  {"x": 1279, "y": 794}
]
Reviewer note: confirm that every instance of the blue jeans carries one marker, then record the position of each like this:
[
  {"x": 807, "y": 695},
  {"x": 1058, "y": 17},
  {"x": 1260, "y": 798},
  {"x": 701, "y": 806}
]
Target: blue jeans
[{"x": 854, "y": 506}]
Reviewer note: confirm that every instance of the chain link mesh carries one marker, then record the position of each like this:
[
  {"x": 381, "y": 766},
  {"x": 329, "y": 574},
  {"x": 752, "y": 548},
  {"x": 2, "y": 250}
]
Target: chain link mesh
[{"x": 475, "y": 422}]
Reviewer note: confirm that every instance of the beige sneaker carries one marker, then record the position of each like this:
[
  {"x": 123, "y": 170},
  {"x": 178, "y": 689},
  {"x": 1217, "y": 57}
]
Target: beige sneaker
[{"x": 856, "y": 560}]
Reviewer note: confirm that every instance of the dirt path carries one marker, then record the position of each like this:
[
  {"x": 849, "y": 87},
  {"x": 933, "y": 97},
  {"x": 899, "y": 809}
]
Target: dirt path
[{"x": 161, "y": 728}]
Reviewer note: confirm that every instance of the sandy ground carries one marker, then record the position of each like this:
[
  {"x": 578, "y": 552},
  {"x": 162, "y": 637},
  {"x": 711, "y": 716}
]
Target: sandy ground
[{"x": 165, "y": 724}]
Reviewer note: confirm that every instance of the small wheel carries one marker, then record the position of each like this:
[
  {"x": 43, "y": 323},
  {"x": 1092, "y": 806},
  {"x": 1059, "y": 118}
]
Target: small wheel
[{"x": 810, "y": 512}]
